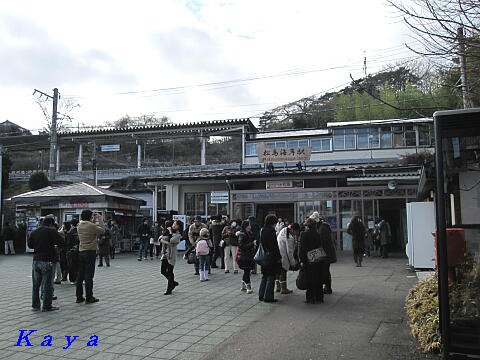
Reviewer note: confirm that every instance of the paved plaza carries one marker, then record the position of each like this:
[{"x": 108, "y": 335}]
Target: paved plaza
[{"x": 364, "y": 318}]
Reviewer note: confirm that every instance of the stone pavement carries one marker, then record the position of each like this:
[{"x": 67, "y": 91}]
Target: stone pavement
[{"x": 364, "y": 318}]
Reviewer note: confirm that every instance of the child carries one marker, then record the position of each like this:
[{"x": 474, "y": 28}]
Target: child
[{"x": 203, "y": 251}]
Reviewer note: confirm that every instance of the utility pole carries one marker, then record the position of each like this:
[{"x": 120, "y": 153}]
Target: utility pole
[
  {"x": 467, "y": 101},
  {"x": 94, "y": 163},
  {"x": 53, "y": 132}
]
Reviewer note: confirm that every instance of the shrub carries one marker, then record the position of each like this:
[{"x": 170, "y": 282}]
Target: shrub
[
  {"x": 421, "y": 306},
  {"x": 38, "y": 180}
]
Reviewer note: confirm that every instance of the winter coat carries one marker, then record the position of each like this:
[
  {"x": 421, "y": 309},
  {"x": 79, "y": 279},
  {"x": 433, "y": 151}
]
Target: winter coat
[
  {"x": 216, "y": 228},
  {"x": 194, "y": 233},
  {"x": 357, "y": 230},
  {"x": 104, "y": 242},
  {"x": 88, "y": 234},
  {"x": 385, "y": 232},
  {"x": 246, "y": 251},
  {"x": 325, "y": 233},
  {"x": 229, "y": 236},
  {"x": 43, "y": 240},
  {"x": 156, "y": 233},
  {"x": 268, "y": 239},
  {"x": 144, "y": 231},
  {"x": 310, "y": 240},
  {"x": 169, "y": 252},
  {"x": 286, "y": 245}
]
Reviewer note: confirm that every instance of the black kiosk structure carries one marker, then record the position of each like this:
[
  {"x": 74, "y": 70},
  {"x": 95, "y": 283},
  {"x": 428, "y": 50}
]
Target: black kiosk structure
[{"x": 457, "y": 196}]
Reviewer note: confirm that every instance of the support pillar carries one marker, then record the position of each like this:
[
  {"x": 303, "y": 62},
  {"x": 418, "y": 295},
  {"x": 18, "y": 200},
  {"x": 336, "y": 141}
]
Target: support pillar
[
  {"x": 139, "y": 155},
  {"x": 203, "y": 142},
  {"x": 57, "y": 167},
  {"x": 154, "y": 203},
  {"x": 80, "y": 156}
]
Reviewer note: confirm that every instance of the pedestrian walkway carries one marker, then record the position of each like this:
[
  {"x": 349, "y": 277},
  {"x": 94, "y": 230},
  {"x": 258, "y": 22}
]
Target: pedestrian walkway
[{"x": 363, "y": 319}]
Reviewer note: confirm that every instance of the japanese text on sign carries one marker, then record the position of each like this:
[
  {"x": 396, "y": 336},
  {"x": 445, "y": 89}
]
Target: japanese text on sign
[{"x": 266, "y": 155}]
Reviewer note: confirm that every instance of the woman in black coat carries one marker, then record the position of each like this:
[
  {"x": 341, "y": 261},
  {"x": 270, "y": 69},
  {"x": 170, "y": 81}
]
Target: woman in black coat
[
  {"x": 268, "y": 239},
  {"x": 246, "y": 252},
  {"x": 315, "y": 271}
]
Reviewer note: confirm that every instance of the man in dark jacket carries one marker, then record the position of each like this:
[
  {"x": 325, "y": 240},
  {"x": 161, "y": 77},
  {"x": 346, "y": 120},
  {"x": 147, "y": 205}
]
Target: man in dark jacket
[
  {"x": 43, "y": 241},
  {"x": 8, "y": 235},
  {"x": 144, "y": 232}
]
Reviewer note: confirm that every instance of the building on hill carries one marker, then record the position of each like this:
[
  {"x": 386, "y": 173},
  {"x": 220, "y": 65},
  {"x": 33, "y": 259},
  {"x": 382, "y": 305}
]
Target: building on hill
[{"x": 8, "y": 128}]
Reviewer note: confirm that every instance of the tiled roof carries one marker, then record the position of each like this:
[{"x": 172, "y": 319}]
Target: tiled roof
[
  {"x": 350, "y": 170},
  {"x": 209, "y": 126},
  {"x": 78, "y": 190}
]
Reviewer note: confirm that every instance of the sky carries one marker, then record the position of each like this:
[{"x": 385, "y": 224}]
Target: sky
[{"x": 189, "y": 60}]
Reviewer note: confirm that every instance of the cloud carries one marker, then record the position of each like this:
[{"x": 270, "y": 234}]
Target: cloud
[
  {"x": 31, "y": 57},
  {"x": 197, "y": 55}
]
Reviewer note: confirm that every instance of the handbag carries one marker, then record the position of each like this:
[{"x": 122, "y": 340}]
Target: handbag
[
  {"x": 151, "y": 241},
  {"x": 317, "y": 255},
  {"x": 262, "y": 257},
  {"x": 301, "y": 281},
  {"x": 192, "y": 258}
]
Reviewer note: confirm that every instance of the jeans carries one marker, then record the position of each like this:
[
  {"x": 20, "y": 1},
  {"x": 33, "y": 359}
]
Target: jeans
[
  {"x": 265, "y": 292},
  {"x": 9, "y": 246},
  {"x": 246, "y": 276},
  {"x": 86, "y": 272},
  {"x": 143, "y": 248},
  {"x": 233, "y": 250},
  {"x": 167, "y": 271},
  {"x": 42, "y": 276},
  {"x": 204, "y": 262}
]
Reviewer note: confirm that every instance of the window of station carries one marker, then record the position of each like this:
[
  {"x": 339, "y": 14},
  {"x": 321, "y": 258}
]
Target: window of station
[
  {"x": 425, "y": 135},
  {"x": 195, "y": 204},
  {"x": 276, "y": 144},
  {"x": 319, "y": 145},
  {"x": 297, "y": 143},
  {"x": 344, "y": 139},
  {"x": 385, "y": 137},
  {"x": 403, "y": 136},
  {"x": 251, "y": 149}
]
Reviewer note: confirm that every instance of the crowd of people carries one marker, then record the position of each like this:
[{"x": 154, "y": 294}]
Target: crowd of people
[
  {"x": 69, "y": 252},
  {"x": 288, "y": 247}
]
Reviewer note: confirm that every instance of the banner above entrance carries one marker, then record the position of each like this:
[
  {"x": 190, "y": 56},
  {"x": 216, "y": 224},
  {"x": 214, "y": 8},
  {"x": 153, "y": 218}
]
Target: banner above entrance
[{"x": 266, "y": 154}]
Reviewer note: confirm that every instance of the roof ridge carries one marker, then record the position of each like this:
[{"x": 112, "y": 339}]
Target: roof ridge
[{"x": 91, "y": 186}]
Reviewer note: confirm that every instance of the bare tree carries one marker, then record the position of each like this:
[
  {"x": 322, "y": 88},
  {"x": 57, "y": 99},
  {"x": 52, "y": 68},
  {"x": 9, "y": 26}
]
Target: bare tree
[
  {"x": 142, "y": 120},
  {"x": 64, "y": 118},
  {"x": 436, "y": 24}
]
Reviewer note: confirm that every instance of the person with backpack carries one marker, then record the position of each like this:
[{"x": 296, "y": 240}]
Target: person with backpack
[{"x": 203, "y": 253}]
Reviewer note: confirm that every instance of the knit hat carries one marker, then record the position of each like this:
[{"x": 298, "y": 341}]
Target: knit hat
[{"x": 315, "y": 216}]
